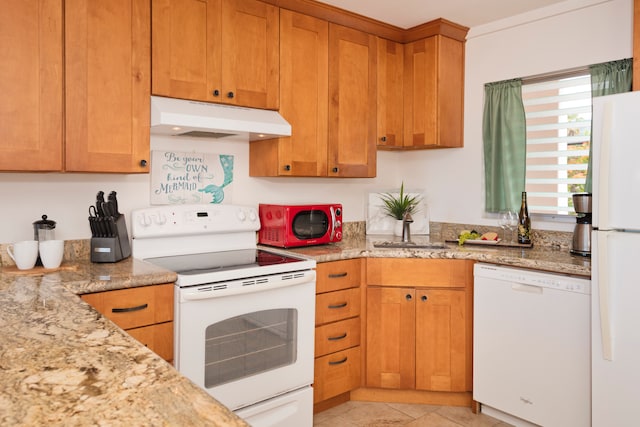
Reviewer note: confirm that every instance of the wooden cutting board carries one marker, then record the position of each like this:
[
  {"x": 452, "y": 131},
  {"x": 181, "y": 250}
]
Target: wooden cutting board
[
  {"x": 500, "y": 244},
  {"x": 39, "y": 270}
]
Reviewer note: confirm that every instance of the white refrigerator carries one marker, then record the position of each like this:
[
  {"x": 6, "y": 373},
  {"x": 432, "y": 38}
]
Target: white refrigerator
[{"x": 615, "y": 252}]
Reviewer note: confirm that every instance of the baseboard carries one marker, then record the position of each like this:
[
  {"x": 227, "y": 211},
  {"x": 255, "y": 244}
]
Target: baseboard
[{"x": 413, "y": 396}]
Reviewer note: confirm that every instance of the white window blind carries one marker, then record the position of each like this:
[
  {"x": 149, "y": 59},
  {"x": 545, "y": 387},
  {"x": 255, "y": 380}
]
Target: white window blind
[{"x": 558, "y": 114}]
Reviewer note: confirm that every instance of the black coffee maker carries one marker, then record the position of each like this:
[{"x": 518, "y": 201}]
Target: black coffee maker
[{"x": 582, "y": 231}]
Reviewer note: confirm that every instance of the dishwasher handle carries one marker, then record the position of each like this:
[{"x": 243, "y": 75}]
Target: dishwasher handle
[{"x": 521, "y": 287}]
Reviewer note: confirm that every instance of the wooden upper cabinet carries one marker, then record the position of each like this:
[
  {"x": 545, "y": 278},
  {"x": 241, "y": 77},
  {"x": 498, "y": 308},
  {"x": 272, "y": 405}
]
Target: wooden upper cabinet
[
  {"x": 434, "y": 91},
  {"x": 303, "y": 102},
  {"x": 352, "y": 103},
  {"x": 390, "y": 94},
  {"x": 223, "y": 51},
  {"x": 31, "y": 83},
  {"x": 107, "y": 75},
  {"x": 328, "y": 94}
]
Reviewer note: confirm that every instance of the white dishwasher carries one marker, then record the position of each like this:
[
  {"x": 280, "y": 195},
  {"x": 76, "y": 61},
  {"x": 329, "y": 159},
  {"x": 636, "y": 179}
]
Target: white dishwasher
[{"x": 531, "y": 346}]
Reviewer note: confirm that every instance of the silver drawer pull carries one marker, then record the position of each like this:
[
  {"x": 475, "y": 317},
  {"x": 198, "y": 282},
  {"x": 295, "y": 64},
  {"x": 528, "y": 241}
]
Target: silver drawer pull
[
  {"x": 338, "y": 338},
  {"x": 341, "y": 305},
  {"x": 337, "y": 275},
  {"x": 338, "y": 362},
  {"x": 129, "y": 309}
]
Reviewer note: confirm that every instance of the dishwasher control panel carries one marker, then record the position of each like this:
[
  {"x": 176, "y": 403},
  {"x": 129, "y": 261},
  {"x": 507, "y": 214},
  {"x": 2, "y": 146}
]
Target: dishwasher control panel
[{"x": 534, "y": 278}]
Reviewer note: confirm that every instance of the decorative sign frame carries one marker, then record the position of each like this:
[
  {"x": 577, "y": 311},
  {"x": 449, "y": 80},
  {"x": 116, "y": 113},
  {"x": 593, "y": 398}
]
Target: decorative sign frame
[{"x": 188, "y": 178}]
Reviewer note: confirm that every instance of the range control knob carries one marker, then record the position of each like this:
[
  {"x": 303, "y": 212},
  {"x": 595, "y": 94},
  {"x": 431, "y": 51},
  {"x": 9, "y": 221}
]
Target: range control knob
[
  {"x": 161, "y": 219},
  {"x": 242, "y": 216},
  {"x": 144, "y": 220}
]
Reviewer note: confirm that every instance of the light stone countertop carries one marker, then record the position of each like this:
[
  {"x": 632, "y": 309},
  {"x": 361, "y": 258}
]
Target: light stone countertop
[
  {"x": 62, "y": 363},
  {"x": 554, "y": 259}
]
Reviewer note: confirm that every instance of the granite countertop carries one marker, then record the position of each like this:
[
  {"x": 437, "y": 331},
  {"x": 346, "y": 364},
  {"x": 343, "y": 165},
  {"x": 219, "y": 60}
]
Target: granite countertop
[
  {"x": 549, "y": 258},
  {"x": 62, "y": 363}
]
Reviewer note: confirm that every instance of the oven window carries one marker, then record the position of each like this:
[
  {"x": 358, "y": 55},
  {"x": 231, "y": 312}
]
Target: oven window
[
  {"x": 250, "y": 344},
  {"x": 310, "y": 224}
]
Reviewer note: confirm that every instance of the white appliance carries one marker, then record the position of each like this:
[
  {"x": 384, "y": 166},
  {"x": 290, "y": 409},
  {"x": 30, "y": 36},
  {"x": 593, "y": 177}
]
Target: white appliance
[
  {"x": 615, "y": 245},
  {"x": 531, "y": 347},
  {"x": 244, "y": 317}
]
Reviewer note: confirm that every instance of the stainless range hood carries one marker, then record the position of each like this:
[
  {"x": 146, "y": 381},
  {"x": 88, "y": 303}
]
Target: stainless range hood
[{"x": 178, "y": 117}]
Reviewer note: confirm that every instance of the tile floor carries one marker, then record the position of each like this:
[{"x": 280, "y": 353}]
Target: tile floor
[{"x": 374, "y": 414}]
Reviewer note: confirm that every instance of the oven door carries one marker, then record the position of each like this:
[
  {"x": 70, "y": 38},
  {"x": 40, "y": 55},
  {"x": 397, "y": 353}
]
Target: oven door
[{"x": 248, "y": 347}]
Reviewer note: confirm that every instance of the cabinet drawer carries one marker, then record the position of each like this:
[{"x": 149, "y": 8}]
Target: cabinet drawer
[
  {"x": 159, "y": 338},
  {"x": 336, "y": 373},
  {"x": 337, "y": 336},
  {"x": 446, "y": 273},
  {"x": 337, "y": 305},
  {"x": 336, "y": 275},
  {"x": 135, "y": 307}
]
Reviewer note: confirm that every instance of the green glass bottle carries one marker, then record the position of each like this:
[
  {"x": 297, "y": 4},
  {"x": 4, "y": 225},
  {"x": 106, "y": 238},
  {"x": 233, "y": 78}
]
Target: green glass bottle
[{"x": 524, "y": 222}]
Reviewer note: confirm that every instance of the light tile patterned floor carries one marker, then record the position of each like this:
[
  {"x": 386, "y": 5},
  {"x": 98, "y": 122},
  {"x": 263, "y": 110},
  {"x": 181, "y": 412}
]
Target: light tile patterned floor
[{"x": 373, "y": 414}]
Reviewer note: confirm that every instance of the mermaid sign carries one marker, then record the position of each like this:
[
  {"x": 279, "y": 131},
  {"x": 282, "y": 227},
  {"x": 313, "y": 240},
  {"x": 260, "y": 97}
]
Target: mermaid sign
[{"x": 186, "y": 178}]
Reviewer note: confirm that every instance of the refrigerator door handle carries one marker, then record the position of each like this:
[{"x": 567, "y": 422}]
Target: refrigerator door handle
[
  {"x": 604, "y": 165},
  {"x": 604, "y": 291}
]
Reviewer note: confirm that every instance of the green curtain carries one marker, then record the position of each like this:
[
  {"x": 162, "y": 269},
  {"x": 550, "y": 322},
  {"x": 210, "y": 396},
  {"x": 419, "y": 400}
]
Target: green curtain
[
  {"x": 504, "y": 136},
  {"x": 608, "y": 78}
]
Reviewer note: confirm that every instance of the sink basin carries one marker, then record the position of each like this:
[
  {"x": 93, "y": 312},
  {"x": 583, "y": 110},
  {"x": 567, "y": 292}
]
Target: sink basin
[{"x": 409, "y": 245}]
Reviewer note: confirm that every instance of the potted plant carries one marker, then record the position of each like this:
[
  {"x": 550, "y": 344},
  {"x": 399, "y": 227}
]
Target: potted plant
[{"x": 396, "y": 205}]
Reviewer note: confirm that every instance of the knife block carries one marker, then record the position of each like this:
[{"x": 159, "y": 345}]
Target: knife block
[{"x": 112, "y": 249}]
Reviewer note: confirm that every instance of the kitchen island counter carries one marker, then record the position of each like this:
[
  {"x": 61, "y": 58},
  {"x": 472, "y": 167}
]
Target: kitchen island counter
[
  {"x": 547, "y": 258},
  {"x": 65, "y": 364}
]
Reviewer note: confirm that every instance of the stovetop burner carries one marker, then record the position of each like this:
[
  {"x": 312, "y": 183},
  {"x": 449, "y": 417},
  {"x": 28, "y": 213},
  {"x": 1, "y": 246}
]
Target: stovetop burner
[{"x": 224, "y": 261}]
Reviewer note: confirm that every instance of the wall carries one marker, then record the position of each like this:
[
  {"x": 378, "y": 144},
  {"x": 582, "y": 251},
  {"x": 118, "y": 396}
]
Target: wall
[
  {"x": 65, "y": 198},
  {"x": 527, "y": 45},
  {"x": 452, "y": 179}
]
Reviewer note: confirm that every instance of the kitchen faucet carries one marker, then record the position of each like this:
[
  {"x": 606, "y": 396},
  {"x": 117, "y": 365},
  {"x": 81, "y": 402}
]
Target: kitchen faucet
[{"x": 406, "y": 223}]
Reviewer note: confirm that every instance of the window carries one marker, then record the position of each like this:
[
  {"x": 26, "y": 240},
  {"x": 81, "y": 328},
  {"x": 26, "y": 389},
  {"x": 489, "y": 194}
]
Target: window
[{"x": 558, "y": 122}]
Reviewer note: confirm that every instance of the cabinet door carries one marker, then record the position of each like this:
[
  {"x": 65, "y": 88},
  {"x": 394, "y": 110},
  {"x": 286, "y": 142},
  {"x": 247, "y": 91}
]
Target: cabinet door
[
  {"x": 352, "y": 103},
  {"x": 186, "y": 48},
  {"x": 338, "y": 305},
  {"x": 440, "y": 340},
  {"x": 336, "y": 275},
  {"x": 391, "y": 328},
  {"x": 434, "y": 81},
  {"x": 304, "y": 47},
  {"x": 390, "y": 94},
  {"x": 336, "y": 373},
  {"x": 303, "y": 102},
  {"x": 337, "y": 336},
  {"x": 249, "y": 65},
  {"x": 107, "y": 75},
  {"x": 159, "y": 338},
  {"x": 31, "y": 85},
  {"x": 135, "y": 307}
]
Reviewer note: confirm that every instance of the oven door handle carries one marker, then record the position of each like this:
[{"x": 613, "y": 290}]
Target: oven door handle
[{"x": 284, "y": 280}]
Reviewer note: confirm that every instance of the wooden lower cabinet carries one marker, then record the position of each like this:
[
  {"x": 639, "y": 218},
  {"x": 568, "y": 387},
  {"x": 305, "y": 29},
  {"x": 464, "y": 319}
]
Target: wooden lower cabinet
[
  {"x": 146, "y": 313},
  {"x": 418, "y": 337},
  {"x": 339, "y": 372},
  {"x": 338, "y": 354}
]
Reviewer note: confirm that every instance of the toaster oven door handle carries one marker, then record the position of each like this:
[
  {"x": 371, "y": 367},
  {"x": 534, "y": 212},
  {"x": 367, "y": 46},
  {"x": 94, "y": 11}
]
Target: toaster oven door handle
[{"x": 333, "y": 223}]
